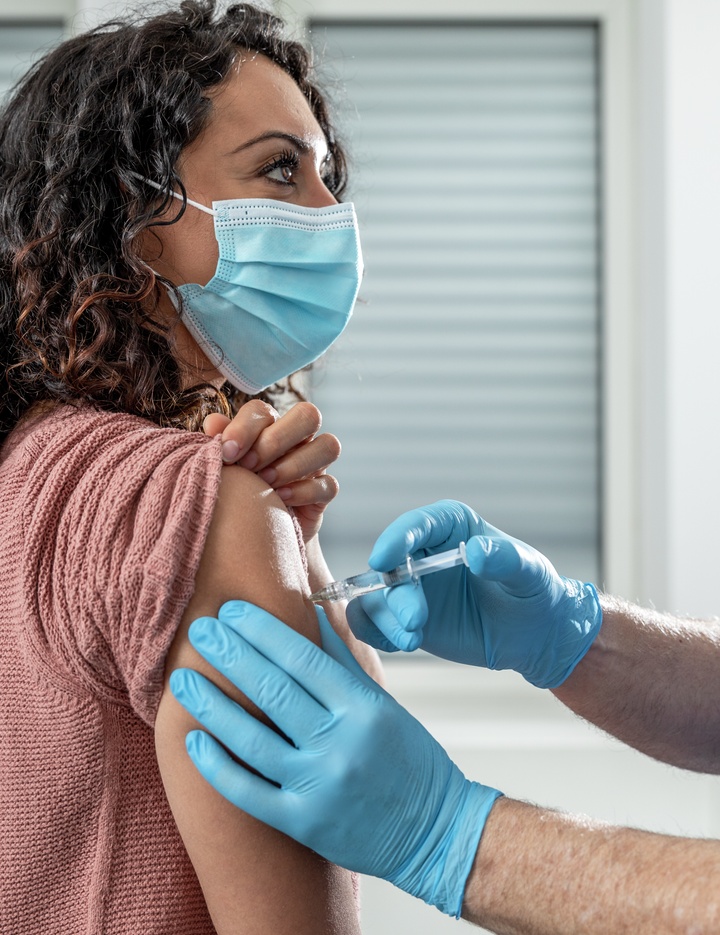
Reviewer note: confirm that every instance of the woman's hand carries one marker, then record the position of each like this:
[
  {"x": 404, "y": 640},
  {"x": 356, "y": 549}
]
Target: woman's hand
[{"x": 286, "y": 452}]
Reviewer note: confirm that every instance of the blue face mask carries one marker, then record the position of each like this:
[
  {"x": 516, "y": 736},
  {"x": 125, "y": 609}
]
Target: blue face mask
[{"x": 283, "y": 291}]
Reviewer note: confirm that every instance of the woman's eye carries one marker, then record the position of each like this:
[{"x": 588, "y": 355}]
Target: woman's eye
[
  {"x": 282, "y": 169},
  {"x": 283, "y": 174}
]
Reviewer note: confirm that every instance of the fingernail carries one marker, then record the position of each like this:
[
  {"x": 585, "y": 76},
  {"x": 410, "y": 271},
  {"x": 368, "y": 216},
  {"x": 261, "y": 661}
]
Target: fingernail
[
  {"x": 230, "y": 451},
  {"x": 250, "y": 460},
  {"x": 284, "y": 493},
  {"x": 269, "y": 475}
]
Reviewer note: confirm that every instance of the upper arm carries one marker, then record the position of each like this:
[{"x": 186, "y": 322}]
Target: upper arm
[{"x": 254, "y": 878}]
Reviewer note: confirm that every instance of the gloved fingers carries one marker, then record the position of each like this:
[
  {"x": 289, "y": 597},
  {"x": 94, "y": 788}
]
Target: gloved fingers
[
  {"x": 400, "y": 623},
  {"x": 268, "y": 686},
  {"x": 518, "y": 567},
  {"x": 308, "y": 666},
  {"x": 249, "y": 739},
  {"x": 428, "y": 527},
  {"x": 251, "y": 793},
  {"x": 365, "y": 630},
  {"x": 407, "y": 603}
]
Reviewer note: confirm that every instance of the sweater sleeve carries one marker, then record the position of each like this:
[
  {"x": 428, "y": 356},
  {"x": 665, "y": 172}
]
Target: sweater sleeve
[{"x": 118, "y": 512}]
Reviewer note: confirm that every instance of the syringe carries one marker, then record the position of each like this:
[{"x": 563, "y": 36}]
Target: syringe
[{"x": 376, "y": 580}]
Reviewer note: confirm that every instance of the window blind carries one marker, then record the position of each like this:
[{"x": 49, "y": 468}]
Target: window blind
[{"x": 470, "y": 369}]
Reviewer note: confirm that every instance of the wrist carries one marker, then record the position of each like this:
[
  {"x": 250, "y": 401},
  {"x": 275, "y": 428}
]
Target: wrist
[
  {"x": 438, "y": 872},
  {"x": 614, "y": 649},
  {"x": 465, "y": 841},
  {"x": 493, "y": 875},
  {"x": 568, "y": 641}
]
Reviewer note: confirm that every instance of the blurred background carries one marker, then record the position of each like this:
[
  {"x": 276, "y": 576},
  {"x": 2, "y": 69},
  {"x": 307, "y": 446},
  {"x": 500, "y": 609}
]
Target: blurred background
[{"x": 537, "y": 189}]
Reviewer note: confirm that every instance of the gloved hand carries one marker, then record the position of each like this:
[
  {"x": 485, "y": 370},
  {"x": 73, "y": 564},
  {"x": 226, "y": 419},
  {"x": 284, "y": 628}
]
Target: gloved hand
[
  {"x": 365, "y": 785},
  {"x": 509, "y": 610}
]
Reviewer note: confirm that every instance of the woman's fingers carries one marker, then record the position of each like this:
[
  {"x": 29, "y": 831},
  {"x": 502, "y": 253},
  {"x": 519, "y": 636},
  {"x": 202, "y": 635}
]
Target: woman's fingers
[
  {"x": 308, "y": 460},
  {"x": 240, "y": 434},
  {"x": 284, "y": 451},
  {"x": 310, "y": 517},
  {"x": 215, "y": 424},
  {"x": 309, "y": 498},
  {"x": 313, "y": 491},
  {"x": 300, "y": 424}
]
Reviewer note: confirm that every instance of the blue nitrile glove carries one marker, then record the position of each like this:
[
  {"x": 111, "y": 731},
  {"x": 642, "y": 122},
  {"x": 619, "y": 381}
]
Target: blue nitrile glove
[
  {"x": 365, "y": 785},
  {"x": 509, "y": 610}
]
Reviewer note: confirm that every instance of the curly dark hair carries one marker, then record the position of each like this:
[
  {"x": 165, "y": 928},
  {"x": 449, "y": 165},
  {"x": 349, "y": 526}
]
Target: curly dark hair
[{"x": 76, "y": 300}]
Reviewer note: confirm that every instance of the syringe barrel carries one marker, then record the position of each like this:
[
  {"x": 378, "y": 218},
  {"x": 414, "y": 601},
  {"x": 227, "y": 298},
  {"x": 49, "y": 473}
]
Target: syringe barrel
[
  {"x": 398, "y": 575},
  {"x": 416, "y": 568},
  {"x": 449, "y": 559}
]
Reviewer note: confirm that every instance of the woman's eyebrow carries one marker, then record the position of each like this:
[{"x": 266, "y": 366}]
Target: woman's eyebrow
[{"x": 297, "y": 141}]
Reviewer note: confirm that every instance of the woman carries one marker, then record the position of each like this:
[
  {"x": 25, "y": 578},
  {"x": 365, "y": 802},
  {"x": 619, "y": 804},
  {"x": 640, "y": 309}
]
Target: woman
[{"x": 120, "y": 526}]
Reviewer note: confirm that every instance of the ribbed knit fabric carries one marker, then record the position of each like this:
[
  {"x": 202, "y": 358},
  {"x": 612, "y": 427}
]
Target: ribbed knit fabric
[{"x": 103, "y": 518}]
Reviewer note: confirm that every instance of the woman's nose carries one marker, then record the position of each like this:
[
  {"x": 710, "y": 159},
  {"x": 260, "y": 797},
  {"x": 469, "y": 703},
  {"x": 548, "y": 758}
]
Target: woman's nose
[{"x": 315, "y": 194}]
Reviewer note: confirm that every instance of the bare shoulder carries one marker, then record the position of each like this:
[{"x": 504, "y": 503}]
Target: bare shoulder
[
  {"x": 255, "y": 879},
  {"x": 251, "y": 552}
]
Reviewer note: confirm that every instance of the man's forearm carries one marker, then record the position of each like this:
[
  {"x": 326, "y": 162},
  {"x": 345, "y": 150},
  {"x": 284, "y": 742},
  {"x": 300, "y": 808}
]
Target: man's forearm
[
  {"x": 539, "y": 872},
  {"x": 653, "y": 681}
]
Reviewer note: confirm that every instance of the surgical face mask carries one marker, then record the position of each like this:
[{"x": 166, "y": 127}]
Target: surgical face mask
[{"x": 284, "y": 289}]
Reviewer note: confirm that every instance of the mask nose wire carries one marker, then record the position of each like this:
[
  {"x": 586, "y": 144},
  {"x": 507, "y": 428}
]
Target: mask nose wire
[{"x": 160, "y": 188}]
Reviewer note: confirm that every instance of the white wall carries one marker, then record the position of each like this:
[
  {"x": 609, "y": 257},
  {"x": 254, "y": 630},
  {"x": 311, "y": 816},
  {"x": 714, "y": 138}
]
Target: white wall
[
  {"x": 680, "y": 175},
  {"x": 693, "y": 302}
]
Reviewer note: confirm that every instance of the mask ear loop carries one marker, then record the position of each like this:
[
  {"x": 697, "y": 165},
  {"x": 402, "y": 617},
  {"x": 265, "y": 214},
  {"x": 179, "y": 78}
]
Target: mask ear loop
[
  {"x": 160, "y": 188},
  {"x": 172, "y": 292}
]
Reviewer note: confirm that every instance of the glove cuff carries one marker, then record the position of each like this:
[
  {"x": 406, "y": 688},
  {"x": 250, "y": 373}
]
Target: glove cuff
[
  {"x": 463, "y": 845},
  {"x": 438, "y": 872},
  {"x": 570, "y": 641}
]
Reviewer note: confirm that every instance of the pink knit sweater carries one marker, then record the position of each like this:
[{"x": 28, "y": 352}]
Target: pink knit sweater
[{"x": 103, "y": 519}]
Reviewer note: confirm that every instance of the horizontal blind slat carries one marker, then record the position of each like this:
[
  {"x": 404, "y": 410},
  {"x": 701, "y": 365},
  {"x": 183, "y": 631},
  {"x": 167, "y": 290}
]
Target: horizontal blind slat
[{"x": 470, "y": 367}]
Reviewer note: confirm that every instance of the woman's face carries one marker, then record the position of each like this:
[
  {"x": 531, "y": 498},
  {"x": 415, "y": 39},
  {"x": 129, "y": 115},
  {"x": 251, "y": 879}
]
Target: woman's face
[{"x": 262, "y": 141}]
